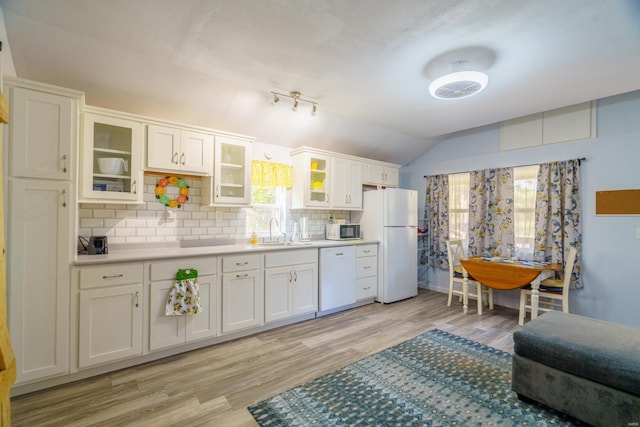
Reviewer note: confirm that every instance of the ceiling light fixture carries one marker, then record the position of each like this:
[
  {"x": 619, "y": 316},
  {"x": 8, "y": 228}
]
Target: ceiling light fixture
[
  {"x": 297, "y": 99},
  {"x": 459, "y": 84}
]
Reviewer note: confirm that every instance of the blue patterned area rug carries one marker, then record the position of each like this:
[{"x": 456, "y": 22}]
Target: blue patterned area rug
[{"x": 434, "y": 379}]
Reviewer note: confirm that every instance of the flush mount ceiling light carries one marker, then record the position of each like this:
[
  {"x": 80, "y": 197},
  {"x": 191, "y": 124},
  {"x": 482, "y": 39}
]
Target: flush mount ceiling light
[
  {"x": 459, "y": 84},
  {"x": 297, "y": 99}
]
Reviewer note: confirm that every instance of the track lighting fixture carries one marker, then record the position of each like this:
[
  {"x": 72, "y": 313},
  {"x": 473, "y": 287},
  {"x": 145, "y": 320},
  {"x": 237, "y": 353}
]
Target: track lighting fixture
[{"x": 297, "y": 99}]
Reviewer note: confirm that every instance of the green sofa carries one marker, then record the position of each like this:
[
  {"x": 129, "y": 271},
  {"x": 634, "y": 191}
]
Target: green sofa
[{"x": 587, "y": 368}]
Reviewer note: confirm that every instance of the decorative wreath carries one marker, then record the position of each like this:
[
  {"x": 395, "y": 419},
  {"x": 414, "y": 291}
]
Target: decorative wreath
[{"x": 182, "y": 197}]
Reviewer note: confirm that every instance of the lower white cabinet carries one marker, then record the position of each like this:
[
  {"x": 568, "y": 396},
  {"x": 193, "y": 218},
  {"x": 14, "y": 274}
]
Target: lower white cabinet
[
  {"x": 366, "y": 271},
  {"x": 38, "y": 254},
  {"x": 167, "y": 331},
  {"x": 242, "y": 294},
  {"x": 110, "y": 314},
  {"x": 290, "y": 283}
]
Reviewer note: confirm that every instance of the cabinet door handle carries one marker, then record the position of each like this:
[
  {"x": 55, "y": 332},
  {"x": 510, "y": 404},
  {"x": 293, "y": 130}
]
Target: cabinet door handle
[
  {"x": 182, "y": 159},
  {"x": 135, "y": 299},
  {"x": 115, "y": 276},
  {"x": 133, "y": 186},
  {"x": 290, "y": 276},
  {"x": 64, "y": 163},
  {"x": 241, "y": 276},
  {"x": 295, "y": 276},
  {"x": 64, "y": 198},
  {"x": 217, "y": 191},
  {"x": 174, "y": 158}
]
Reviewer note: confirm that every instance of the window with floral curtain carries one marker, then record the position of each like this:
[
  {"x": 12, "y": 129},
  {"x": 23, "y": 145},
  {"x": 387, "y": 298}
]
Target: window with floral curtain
[
  {"x": 269, "y": 184},
  {"x": 558, "y": 220}
]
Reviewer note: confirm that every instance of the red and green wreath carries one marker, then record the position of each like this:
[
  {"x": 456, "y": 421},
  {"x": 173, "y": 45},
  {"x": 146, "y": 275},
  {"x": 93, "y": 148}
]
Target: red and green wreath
[{"x": 182, "y": 197}]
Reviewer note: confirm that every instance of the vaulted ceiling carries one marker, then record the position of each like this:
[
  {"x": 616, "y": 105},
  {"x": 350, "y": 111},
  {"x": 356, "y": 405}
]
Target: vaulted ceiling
[{"x": 367, "y": 63}]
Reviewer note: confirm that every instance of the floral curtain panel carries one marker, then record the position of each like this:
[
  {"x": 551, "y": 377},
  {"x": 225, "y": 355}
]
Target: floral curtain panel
[
  {"x": 271, "y": 174},
  {"x": 558, "y": 214},
  {"x": 491, "y": 212},
  {"x": 436, "y": 218}
]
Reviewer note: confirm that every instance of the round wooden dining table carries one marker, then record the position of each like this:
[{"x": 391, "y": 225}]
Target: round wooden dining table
[{"x": 502, "y": 274}]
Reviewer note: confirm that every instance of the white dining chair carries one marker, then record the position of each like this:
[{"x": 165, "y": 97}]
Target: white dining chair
[
  {"x": 455, "y": 252},
  {"x": 553, "y": 293}
]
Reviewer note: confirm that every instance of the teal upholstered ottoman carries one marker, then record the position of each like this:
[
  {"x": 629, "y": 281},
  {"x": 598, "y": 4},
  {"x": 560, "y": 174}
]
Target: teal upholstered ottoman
[{"x": 587, "y": 368}]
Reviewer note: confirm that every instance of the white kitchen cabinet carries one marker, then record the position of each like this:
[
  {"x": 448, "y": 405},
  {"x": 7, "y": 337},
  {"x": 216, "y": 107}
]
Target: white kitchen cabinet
[
  {"x": 110, "y": 313},
  {"x": 38, "y": 259},
  {"x": 172, "y": 149},
  {"x": 311, "y": 179},
  {"x": 346, "y": 183},
  {"x": 290, "y": 283},
  {"x": 366, "y": 271},
  {"x": 381, "y": 174},
  {"x": 40, "y": 149},
  {"x": 166, "y": 331},
  {"x": 42, "y": 134},
  {"x": 231, "y": 181},
  {"x": 111, "y": 169},
  {"x": 242, "y": 293}
]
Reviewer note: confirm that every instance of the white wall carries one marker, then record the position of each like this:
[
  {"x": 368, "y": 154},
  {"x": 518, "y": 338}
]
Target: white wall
[{"x": 610, "y": 247}]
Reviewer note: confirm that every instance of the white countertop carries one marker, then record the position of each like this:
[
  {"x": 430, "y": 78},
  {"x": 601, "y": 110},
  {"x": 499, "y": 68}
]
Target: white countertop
[{"x": 188, "y": 248}]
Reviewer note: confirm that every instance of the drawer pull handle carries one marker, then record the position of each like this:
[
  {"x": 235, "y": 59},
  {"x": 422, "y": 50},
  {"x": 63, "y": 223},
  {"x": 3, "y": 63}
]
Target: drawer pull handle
[
  {"x": 367, "y": 266},
  {"x": 116, "y": 276},
  {"x": 240, "y": 276},
  {"x": 242, "y": 263},
  {"x": 367, "y": 251}
]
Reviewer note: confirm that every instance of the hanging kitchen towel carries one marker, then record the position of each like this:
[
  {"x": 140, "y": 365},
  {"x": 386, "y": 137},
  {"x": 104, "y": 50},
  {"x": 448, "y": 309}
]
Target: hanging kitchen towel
[{"x": 184, "y": 297}]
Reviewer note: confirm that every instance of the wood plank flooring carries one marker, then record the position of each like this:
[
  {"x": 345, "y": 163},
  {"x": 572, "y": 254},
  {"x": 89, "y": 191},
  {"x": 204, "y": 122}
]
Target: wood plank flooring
[{"x": 213, "y": 386}]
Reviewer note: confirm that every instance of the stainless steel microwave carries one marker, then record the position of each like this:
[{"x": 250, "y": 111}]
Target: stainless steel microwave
[{"x": 342, "y": 231}]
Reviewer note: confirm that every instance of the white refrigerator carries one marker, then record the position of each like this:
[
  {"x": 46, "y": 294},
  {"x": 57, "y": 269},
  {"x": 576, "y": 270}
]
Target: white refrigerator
[{"x": 391, "y": 217}]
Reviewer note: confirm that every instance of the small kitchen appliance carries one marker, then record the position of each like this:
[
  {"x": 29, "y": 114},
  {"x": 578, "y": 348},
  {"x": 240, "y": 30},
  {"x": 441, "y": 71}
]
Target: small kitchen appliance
[
  {"x": 98, "y": 245},
  {"x": 342, "y": 231}
]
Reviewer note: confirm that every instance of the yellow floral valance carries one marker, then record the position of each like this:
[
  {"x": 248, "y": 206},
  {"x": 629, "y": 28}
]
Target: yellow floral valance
[{"x": 270, "y": 174}]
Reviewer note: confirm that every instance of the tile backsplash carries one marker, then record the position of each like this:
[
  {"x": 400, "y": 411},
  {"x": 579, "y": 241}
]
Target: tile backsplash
[{"x": 148, "y": 222}]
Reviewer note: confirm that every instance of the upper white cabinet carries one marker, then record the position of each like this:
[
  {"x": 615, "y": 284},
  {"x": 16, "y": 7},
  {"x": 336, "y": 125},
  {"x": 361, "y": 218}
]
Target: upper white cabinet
[
  {"x": 231, "y": 181},
  {"x": 111, "y": 164},
  {"x": 381, "y": 174},
  {"x": 179, "y": 150},
  {"x": 42, "y": 134},
  {"x": 311, "y": 179},
  {"x": 347, "y": 183}
]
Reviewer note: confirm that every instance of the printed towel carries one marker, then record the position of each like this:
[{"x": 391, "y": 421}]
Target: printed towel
[{"x": 184, "y": 297}]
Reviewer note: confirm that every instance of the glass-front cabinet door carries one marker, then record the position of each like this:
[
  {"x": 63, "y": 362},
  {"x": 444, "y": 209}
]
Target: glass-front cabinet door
[
  {"x": 111, "y": 169},
  {"x": 231, "y": 183},
  {"x": 311, "y": 179}
]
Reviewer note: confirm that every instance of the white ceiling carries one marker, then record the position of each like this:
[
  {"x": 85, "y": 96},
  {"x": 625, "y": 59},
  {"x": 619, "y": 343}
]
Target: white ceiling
[{"x": 367, "y": 63}]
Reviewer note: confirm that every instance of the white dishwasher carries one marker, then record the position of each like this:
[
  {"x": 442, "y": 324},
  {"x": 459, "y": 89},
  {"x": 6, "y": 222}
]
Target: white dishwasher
[{"x": 337, "y": 278}]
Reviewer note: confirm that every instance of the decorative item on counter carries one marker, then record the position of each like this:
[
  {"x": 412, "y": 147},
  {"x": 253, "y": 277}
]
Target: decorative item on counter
[
  {"x": 182, "y": 197},
  {"x": 254, "y": 238},
  {"x": 184, "y": 297}
]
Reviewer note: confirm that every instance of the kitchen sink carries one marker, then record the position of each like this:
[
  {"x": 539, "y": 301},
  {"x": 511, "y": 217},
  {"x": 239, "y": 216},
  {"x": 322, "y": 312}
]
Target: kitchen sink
[{"x": 279, "y": 243}]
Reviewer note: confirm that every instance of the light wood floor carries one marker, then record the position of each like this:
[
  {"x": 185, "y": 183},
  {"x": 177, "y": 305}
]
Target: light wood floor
[{"x": 213, "y": 386}]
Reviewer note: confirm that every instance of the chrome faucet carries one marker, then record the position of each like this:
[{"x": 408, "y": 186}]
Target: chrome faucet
[{"x": 271, "y": 226}]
